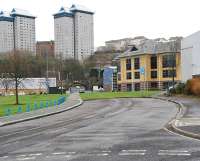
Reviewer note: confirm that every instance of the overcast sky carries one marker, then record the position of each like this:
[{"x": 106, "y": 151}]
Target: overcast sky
[{"x": 116, "y": 19}]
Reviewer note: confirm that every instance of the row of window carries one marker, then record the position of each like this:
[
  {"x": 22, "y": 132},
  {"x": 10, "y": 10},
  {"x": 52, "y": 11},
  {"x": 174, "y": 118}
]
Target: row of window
[
  {"x": 136, "y": 64},
  {"x": 167, "y": 62},
  {"x": 165, "y": 74}
]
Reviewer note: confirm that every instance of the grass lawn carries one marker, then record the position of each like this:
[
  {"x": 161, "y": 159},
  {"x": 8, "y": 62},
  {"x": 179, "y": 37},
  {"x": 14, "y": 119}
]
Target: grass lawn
[
  {"x": 110, "y": 95},
  {"x": 8, "y": 102}
]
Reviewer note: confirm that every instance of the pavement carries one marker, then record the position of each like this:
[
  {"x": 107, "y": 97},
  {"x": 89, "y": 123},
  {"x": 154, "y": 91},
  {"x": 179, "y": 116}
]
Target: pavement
[
  {"x": 72, "y": 101},
  {"x": 189, "y": 123},
  {"x": 131, "y": 129}
]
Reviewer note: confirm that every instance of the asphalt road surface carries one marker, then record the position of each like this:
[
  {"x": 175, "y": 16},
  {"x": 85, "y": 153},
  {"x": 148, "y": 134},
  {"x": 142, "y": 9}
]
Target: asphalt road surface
[{"x": 107, "y": 130}]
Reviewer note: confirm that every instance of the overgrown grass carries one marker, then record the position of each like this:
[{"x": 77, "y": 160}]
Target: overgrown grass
[
  {"x": 8, "y": 102},
  {"x": 110, "y": 95}
]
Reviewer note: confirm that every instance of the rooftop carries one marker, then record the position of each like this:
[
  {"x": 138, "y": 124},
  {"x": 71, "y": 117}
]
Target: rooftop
[
  {"x": 21, "y": 12},
  {"x": 153, "y": 47}
]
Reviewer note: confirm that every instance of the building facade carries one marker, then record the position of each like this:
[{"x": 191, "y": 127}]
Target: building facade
[
  {"x": 17, "y": 31},
  {"x": 190, "y": 56},
  {"x": 45, "y": 48},
  {"x": 110, "y": 78},
  {"x": 74, "y": 35},
  {"x": 155, "y": 65}
]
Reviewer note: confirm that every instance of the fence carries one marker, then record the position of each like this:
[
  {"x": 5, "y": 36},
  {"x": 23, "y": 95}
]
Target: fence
[{"x": 35, "y": 106}]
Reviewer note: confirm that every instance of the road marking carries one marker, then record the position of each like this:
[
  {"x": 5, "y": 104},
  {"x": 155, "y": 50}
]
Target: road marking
[
  {"x": 30, "y": 158},
  {"x": 103, "y": 154},
  {"x": 132, "y": 152},
  {"x": 71, "y": 152},
  {"x": 174, "y": 152},
  {"x": 36, "y": 154},
  {"x": 59, "y": 153},
  {"x": 4, "y": 157},
  {"x": 177, "y": 154},
  {"x": 67, "y": 156},
  {"x": 123, "y": 154}
]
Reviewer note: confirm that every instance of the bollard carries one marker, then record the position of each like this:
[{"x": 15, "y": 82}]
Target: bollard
[
  {"x": 41, "y": 105},
  {"x": 19, "y": 110},
  {"x": 55, "y": 102},
  {"x": 47, "y": 104},
  {"x": 8, "y": 112},
  {"x": 35, "y": 106},
  {"x": 28, "y": 108}
]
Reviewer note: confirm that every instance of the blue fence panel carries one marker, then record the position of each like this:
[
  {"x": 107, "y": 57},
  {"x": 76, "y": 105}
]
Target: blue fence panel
[
  {"x": 47, "y": 104},
  {"x": 35, "y": 106},
  {"x": 41, "y": 105}
]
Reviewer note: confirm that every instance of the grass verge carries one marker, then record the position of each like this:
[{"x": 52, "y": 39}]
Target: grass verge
[
  {"x": 110, "y": 95},
  {"x": 8, "y": 102}
]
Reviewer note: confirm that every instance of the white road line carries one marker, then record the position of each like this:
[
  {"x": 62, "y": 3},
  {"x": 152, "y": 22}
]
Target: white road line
[
  {"x": 130, "y": 153},
  {"x": 67, "y": 156},
  {"x": 175, "y": 154},
  {"x": 30, "y": 158},
  {"x": 36, "y": 154},
  {"x": 102, "y": 154},
  {"x": 4, "y": 157},
  {"x": 106, "y": 151},
  {"x": 59, "y": 153},
  {"x": 132, "y": 150},
  {"x": 174, "y": 151},
  {"x": 71, "y": 152}
]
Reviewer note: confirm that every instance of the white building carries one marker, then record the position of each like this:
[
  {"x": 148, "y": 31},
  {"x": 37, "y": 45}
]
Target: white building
[
  {"x": 6, "y": 32},
  {"x": 190, "y": 56},
  {"x": 74, "y": 35},
  {"x": 22, "y": 35}
]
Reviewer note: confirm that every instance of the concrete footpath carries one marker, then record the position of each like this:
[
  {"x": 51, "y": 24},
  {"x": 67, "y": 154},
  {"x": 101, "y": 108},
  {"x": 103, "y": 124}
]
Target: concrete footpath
[
  {"x": 188, "y": 124},
  {"x": 72, "y": 101}
]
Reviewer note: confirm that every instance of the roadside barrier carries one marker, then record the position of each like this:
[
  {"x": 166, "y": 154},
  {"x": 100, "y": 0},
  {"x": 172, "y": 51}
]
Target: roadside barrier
[{"x": 35, "y": 106}]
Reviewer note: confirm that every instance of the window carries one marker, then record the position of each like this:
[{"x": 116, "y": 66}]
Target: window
[
  {"x": 153, "y": 74},
  {"x": 137, "y": 63},
  {"x": 119, "y": 87},
  {"x": 129, "y": 87},
  {"x": 137, "y": 86},
  {"x": 119, "y": 77},
  {"x": 128, "y": 64},
  {"x": 154, "y": 85},
  {"x": 128, "y": 75},
  {"x": 169, "y": 73},
  {"x": 137, "y": 75},
  {"x": 154, "y": 62},
  {"x": 118, "y": 68},
  {"x": 169, "y": 61}
]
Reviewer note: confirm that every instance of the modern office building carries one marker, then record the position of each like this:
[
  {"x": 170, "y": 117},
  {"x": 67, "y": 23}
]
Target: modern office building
[
  {"x": 17, "y": 31},
  {"x": 74, "y": 35},
  {"x": 153, "y": 65},
  {"x": 190, "y": 56}
]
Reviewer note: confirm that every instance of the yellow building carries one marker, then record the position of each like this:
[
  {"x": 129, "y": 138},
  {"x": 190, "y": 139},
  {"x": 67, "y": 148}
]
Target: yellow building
[{"x": 150, "y": 67}]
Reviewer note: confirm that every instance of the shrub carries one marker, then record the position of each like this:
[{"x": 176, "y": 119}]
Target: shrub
[
  {"x": 193, "y": 86},
  {"x": 180, "y": 88}
]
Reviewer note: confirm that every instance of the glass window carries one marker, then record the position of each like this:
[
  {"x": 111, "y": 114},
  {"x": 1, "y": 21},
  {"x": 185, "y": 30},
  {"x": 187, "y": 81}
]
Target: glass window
[
  {"x": 137, "y": 63},
  {"x": 169, "y": 73},
  {"x": 137, "y": 86},
  {"x": 153, "y": 74},
  {"x": 128, "y": 75},
  {"x": 119, "y": 77},
  {"x": 129, "y": 87},
  {"x": 169, "y": 61},
  {"x": 128, "y": 64},
  {"x": 154, "y": 62},
  {"x": 154, "y": 85},
  {"x": 137, "y": 75}
]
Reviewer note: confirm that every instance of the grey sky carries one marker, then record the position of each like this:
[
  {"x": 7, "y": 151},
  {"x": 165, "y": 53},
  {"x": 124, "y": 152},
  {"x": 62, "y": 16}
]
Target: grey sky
[{"x": 119, "y": 18}]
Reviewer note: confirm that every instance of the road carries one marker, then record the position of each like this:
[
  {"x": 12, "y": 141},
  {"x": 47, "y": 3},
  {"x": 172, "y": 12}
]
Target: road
[{"x": 107, "y": 130}]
